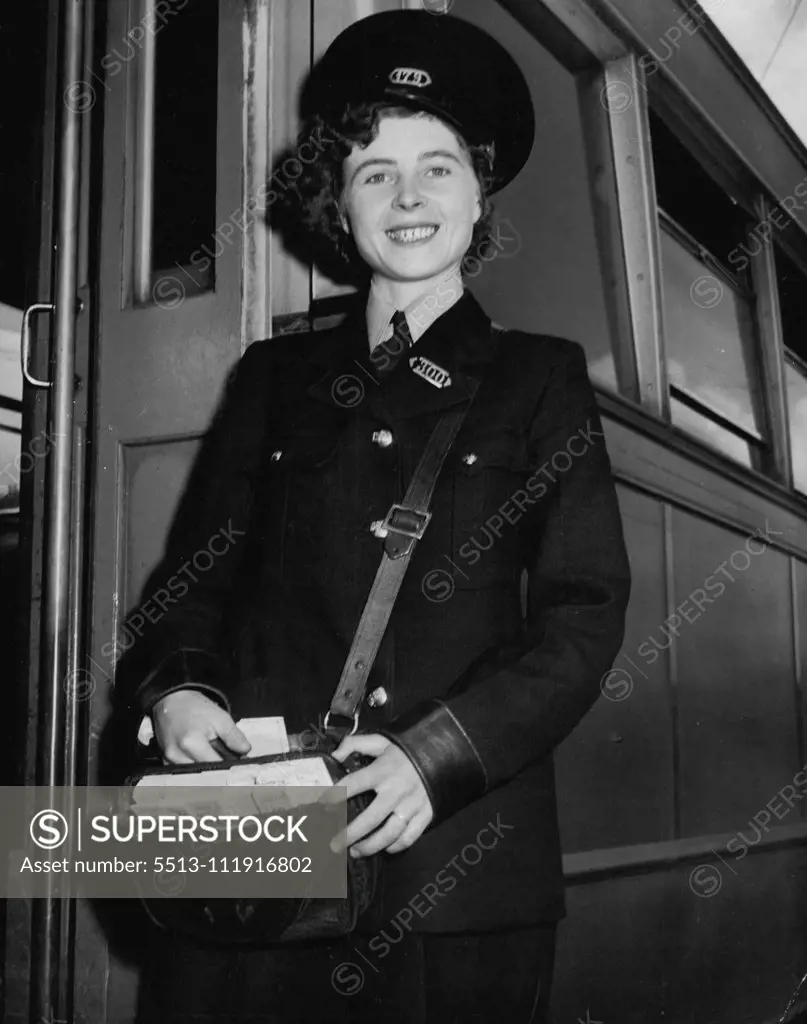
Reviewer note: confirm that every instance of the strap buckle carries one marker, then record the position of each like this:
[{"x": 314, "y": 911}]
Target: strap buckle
[
  {"x": 406, "y": 521},
  {"x": 355, "y": 716}
]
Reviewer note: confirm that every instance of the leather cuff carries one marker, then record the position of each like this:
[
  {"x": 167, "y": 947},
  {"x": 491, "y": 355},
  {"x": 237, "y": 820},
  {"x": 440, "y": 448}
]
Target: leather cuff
[
  {"x": 185, "y": 669},
  {"x": 442, "y": 752}
]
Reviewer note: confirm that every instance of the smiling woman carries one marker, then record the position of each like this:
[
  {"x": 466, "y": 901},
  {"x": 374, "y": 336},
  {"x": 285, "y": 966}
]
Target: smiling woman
[
  {"x": 411, "y": 201},
  {"x": 317, "y": 198},
  {"x": 324, "y": 456}
]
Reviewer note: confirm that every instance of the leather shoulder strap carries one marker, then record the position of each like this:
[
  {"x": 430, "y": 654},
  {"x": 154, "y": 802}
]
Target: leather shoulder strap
[{"x": 402, "y": 528}]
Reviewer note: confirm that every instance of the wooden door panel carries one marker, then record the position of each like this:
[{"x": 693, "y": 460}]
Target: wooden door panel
[
  {"x": 160, "y": 469},
  {"x": 162, "y": 363},
  {"x": 160, "y": 369}
]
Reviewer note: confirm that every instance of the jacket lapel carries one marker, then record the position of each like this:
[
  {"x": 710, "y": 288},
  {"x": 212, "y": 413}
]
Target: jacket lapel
[{"x": 458, "y": 342}]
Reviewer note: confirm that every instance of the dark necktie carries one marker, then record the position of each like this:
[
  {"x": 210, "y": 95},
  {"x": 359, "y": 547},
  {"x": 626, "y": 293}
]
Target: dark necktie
[
  {"x": 400, "y": 329},
  {"x": 387, "y": 354}
]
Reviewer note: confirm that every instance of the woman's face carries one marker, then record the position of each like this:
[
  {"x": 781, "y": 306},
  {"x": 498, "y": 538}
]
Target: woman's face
[{"x": 411, "y": 199}]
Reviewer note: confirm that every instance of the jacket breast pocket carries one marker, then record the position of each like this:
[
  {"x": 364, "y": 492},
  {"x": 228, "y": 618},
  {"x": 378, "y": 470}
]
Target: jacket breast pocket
[
  {"x": 487, "y": 472},
  {"x": 303, "y": 474},
  {"x": 490, "y": 496}
]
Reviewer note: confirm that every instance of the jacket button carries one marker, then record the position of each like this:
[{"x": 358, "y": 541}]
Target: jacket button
[
  {"x": 383, "y": 438},
  {"x": 378, "y": 529},
  {"x": 277, "y": 456},
  {"x": 377, "y": 698}
]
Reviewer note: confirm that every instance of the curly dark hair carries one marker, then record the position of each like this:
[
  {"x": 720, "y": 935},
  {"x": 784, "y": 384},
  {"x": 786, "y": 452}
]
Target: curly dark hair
[{"x": 311, "y": 199}]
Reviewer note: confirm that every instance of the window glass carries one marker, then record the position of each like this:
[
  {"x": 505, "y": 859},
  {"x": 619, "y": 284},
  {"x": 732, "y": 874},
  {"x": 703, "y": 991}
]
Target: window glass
[
  {"x": 11, "y": 463},
  {"x": 709, "y": 326},
  {"x": 796, "y": 379},
  {"x": 711, "y": 433},
  {"x": 709, "y": 340},
  {"x": 693, "y": 199},
  {"x": 792, "y": 287},
  {"x": 23, "y": 39},
  {"x": 184, "y": 220}
]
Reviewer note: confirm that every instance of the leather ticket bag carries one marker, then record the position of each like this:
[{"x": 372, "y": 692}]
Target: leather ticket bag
[{"x": 264, "y": 921}]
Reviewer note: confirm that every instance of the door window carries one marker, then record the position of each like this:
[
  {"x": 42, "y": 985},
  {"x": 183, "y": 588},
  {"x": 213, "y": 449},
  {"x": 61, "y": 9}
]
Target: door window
[
  {"x": 185, "y": 142},
  {"x": 174, "y": 72}
]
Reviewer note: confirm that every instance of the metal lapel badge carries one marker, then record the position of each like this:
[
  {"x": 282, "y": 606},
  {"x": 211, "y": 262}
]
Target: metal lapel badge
[{"x": 430, "y": 371}]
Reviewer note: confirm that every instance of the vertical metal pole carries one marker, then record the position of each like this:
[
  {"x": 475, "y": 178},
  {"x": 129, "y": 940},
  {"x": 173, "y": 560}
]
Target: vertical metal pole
[
  {"x": 79, "y": 686},
  {"x": 55, "y": 636}
]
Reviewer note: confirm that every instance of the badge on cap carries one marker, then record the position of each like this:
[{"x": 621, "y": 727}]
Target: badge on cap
[
  {"x": 430, "y": 371},
  {"x": 410, "y": 76}
]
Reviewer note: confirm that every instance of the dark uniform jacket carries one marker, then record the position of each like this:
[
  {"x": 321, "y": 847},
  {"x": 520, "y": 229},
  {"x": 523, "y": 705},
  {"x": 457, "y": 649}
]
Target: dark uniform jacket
[{"x": 511, "y": 612}]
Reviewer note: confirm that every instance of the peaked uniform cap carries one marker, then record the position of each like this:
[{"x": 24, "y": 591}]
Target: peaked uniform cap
[{"x": 438, "y": 64}]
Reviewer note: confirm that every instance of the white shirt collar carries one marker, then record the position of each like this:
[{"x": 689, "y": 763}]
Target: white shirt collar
[{"x": 420, "y": 313}]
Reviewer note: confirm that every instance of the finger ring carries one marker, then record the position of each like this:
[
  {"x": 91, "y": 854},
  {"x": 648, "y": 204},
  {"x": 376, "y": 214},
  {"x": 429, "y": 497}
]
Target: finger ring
[{"x": 403, "y": 819}]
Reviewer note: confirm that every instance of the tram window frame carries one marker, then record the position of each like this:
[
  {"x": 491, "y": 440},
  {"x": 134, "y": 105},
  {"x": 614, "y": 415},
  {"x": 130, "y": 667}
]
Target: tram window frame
[
  {"x": 712, "y": 428},
  {"x": 787, "y": 266}
]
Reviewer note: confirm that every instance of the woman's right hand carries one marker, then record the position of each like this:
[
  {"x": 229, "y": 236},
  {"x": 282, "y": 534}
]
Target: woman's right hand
[{"x": 186, "y": 721}]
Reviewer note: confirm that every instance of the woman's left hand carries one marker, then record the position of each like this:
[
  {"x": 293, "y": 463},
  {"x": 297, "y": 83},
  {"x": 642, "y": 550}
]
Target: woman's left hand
[{"x": 401, "y": 806}]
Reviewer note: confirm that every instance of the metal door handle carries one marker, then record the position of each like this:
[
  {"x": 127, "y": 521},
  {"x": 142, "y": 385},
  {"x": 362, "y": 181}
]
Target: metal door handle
[{"x": 37, "y": 307}]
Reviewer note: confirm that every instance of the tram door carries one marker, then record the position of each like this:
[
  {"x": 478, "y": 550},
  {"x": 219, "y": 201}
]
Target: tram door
[
  {"x": 169, "y": 326},
  {"x": 198, "y": 98}
]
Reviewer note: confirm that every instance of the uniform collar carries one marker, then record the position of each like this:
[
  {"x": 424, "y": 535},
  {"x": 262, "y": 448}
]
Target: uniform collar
[
  {"x": 420, "y": 313},
  {"x": 459, "y": 340}
]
